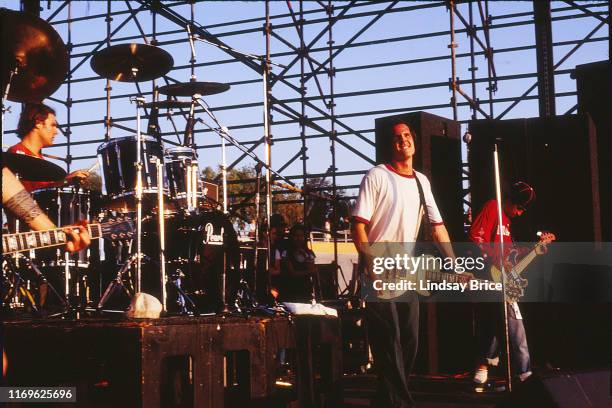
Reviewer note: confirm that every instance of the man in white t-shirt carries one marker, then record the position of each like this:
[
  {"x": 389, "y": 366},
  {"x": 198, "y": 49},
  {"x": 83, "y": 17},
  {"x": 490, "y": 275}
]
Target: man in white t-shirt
[{"x": 387, "y": 210}]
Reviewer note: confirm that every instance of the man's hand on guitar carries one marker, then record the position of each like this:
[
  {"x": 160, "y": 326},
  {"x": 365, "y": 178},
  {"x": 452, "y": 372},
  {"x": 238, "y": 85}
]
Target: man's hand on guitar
[
  {"x": 78, "y": 237},
  {"x": 545, "y": 239},
  {"x": 465, "y": 277}
]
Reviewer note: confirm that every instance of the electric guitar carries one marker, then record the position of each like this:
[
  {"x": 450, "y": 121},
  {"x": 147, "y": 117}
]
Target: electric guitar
[
  {"x": 113, "y": 228},
  {"x": 515, "y": 284}
]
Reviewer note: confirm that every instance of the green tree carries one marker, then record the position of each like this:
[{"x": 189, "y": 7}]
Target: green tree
[{"x": 241, "y": 188}]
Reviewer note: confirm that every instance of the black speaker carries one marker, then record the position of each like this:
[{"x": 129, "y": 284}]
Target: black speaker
[
  {"x": 594, "y": 87},
  {"x": 438, "y": 156},
  {"x": 558, "y": 157},
  {"x": 576, "y": 390}
]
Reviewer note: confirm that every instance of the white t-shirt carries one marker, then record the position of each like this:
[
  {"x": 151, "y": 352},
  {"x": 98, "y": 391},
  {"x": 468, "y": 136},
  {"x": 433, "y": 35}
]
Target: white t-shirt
[{"x": 388, "y": 203}]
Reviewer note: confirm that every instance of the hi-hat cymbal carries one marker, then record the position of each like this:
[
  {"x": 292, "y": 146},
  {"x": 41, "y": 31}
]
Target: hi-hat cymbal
[
  {"x": 36, "y": 49},
  {"x": 167, "y": 104},
  {"x": 132, "y": 62},
  {"x": 192, "y": 88},
  {"x": 32, "y": 168}
]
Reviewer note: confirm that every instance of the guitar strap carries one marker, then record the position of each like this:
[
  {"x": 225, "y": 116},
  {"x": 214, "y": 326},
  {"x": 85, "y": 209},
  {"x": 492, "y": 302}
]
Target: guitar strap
[{"x": 422, "y": 210}]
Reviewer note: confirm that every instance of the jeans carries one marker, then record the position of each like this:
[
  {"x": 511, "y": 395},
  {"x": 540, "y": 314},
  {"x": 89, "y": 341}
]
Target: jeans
[
  {"x": 393, "y": 330},
  {"x": 490, "y": 333}
]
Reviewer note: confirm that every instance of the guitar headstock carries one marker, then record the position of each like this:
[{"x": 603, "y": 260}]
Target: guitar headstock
[
  {"x": 117, "y": 228},
  {"x": 547, "y": 237}
]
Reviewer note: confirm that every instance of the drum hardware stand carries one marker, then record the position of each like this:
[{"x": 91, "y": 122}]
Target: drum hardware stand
[
  {"x": 182, "y": 298},
  {"x": 18, "y": 286},
  {"x": 244, "y": 296},
  {"x": 117, "y": 282},
  {"x": 162, "y": 234}
]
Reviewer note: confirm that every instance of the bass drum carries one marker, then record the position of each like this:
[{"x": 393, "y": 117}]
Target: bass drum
[{"x": 196, "y": 245}]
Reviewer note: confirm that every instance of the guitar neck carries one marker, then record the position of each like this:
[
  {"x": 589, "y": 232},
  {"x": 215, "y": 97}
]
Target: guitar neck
[
  {"x": 524, "y": 262},
  {"x": 25, "y": 241}
]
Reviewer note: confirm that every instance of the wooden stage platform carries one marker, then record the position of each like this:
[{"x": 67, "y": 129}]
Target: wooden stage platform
[
  {"x": 215, "y": 361},
  {"x": 181, "y": 361}
]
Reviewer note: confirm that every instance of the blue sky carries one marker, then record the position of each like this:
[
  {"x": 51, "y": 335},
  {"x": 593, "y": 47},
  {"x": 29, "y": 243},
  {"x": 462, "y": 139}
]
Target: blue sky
[{"x": 396, "y": 24}]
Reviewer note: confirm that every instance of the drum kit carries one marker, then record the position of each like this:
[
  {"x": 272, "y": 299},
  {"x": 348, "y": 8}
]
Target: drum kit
[{"x": 182, "y": 245}]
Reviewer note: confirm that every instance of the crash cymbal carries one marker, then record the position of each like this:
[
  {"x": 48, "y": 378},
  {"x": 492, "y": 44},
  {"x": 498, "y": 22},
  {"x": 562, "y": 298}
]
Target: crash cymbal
[
  {"x": 192, "y": 88},
  {"x": 167, "y": 104},
  {"x": 132, "y": 62},
  {"x": 32, "y": 168},
  {"x": 36, "y": 49}
]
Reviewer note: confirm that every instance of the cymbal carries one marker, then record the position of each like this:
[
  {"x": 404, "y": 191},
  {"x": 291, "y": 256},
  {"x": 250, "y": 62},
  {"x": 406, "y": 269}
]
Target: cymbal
[
  {"x": 132, "y": 62},
  {"x": 32, "y": 168},
  {"x": 36, "y": 49},
  {"x": 167, "y": 104},
  {"x": 192, "y": 88}
]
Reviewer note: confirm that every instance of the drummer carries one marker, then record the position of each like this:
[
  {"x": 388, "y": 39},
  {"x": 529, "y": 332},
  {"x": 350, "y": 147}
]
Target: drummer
[{"x": 37, "y": 128}]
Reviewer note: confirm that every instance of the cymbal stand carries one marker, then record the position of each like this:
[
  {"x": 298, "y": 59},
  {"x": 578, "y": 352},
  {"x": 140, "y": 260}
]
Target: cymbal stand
[
  {"x": 138, "y": 164},
  {"x": 162, "y": 235},
  {"x": 5, "y": 95}
]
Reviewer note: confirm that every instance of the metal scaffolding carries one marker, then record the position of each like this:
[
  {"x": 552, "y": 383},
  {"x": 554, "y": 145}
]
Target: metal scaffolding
[{"x": 321, "y": 45}]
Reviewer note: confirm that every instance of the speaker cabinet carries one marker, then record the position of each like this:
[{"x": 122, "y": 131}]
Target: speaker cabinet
[
  {"x": 594, "y": 86},
  {"x": 558, "y": 157},
  {"x": 563, "y": 390}
]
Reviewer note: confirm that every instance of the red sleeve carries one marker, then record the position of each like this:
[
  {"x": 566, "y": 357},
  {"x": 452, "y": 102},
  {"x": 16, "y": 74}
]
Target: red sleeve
[{"x": 35, "y": 185}]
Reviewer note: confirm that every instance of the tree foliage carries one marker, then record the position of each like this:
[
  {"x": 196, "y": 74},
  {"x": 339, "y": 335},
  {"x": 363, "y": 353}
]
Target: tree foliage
[{"x": 289, "y": 204}]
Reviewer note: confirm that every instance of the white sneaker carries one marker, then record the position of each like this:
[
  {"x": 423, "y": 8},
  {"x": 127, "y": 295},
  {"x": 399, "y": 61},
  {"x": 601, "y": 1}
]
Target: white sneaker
[
  {"x": 524, "y": 376},
  {"x": 481, "y": 375}
]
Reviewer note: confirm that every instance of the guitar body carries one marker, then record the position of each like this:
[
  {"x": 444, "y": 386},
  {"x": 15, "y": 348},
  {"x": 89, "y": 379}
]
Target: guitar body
[
  {"x": 515, "y": 284},
  {"x": 495, "y": 274}
]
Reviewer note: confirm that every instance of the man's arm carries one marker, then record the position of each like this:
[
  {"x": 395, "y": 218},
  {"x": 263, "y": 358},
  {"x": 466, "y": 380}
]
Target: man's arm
[
  {"x": 360, "y": 236},
  {"x": 440, "y": 236},
  {"x": 18, "y": 201},
  {"x": 360, "y": 239}
]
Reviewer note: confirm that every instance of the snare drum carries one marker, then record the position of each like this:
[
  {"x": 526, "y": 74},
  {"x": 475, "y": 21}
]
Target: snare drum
[
  {"x": 184, "y": 176},
  {"x": 117, "y": 159},
  {"x": 64, "y": 206}
]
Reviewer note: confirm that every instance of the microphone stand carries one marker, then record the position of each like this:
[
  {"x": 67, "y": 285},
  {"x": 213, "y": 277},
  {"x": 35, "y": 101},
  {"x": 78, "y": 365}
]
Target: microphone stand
[{"x": 501, "y": 263}]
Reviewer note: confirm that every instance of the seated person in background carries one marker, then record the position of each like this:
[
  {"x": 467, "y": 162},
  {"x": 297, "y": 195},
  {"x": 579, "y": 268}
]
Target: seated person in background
[{"x": 297, "y": 268}]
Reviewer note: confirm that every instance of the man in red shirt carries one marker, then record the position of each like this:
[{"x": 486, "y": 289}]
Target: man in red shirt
[
  {"x": 37, "y": 129},
  {"x": 489, "y": 322}
]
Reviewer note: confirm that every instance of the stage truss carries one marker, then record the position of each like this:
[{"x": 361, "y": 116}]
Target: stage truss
[{"x": 344, "y": 64}]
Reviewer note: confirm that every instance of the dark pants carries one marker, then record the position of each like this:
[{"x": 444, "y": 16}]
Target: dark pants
[{"x": 393, "y": 330}]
